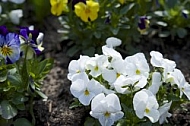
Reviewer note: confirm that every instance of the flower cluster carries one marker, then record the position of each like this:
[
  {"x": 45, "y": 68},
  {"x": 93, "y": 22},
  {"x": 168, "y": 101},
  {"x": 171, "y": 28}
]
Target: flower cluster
[
  {"x": 13, "y": 45},
  {"x": 88, "y": 23},
  {"x": 22, "y": 72},
  {"x": 87, "y": 10},
  {"x": 106, "y": 80}
]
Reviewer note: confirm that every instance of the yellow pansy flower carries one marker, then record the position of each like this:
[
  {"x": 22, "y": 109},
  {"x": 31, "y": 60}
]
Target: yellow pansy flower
[
  {"x": 87, "y": 12},
  {"x": 57, "y": 6}
]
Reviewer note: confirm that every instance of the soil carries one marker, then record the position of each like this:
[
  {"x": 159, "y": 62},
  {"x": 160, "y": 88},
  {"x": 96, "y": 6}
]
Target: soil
[{"x": 55, "y": 111}]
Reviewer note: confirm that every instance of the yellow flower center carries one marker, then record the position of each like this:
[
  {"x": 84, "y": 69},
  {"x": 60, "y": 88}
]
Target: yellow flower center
[
  {"x": 77, "y": 71},
  {"x": 96, "y": 68},
  {"x": 182, "y": 88},
  {"x": 107, "y": 114},
  {"x": 87, "y": 10},
  {"x": 86, "y": 92},
  {"x": 6, "y": 51},
  {"x": 147, "y": 110},
  {"x": 138, "y": 72},
  {"x": 118, "y": 74}
]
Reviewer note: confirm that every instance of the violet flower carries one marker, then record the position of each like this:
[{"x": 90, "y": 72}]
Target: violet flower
[
  {"x": 9, "y": 45},
  {"x": 31, "y": 39}
]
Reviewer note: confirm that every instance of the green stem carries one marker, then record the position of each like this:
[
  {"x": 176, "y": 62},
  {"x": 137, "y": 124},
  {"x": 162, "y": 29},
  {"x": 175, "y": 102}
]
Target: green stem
[{"x": 32, "y": 112}]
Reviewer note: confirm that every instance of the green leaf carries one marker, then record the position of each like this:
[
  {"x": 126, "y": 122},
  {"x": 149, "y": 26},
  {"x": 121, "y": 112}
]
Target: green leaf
[
  {"x": 159, "y": 13},
  {"x": 21, "y": 106},
  {"x": 22, "y": 122},
  {"x": 8, "y": 111},
  {"x": 3, "y": 75},
  {"x": 115, "y": 30},
  {"x": 19, "y": 99},
  {"x": 164, "y": 34},
  {"x": 126, "y": 8},
  {"x": 73, "y": 50},
  {"x": 91, "y": 122},
  {"x": 97, "y": 34},
  {"x": 15, "y": 79},
  {"x": 42, "y": 95},
  {"x": 44, "y": 67},
  {"x": 90, "y": 51},
  {"x": 181, "y": 32},
  {"x": 171, "y": 3},
  {"x": 161, "y": 23},
  {"x": 75, "y": 104}
]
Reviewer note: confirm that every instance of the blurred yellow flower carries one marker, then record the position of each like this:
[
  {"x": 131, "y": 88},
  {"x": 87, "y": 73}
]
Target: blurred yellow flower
[
  {"x": 122, "y": 1},
  {"x": 87, "y": 12},
  {"x": 57, "y": 6}
]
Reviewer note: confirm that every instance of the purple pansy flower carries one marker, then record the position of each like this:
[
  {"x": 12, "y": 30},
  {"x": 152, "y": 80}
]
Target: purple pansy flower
[
  {"x": 143, "y": 24},
  {"x": 33, "y": 38},
  {"x": 9, "y": 45}
]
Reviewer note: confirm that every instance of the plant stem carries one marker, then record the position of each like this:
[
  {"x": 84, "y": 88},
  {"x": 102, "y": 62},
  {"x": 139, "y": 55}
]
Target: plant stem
[{"x": 32, "y": 112}]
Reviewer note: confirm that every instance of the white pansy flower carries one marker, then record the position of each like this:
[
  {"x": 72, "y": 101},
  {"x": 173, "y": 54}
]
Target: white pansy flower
[
  {"x": 146, "y": 105},
  {"x": 179, "y": 79},
  {"x": 112, "y": 72},
  {"x": 85, "y": 90},
  {"x": 157, "y": 60},
  {"x": 106, "y": 109},
  {"x": 124, "y": 84},
  {"x": 96, "y": 64},
  {"x": 110, "y": 52},
  {"x": 163, "y": 110},
  {"x": 15, "y": 16},
  {"x": 155, "y": 83},
  {"x": 77, "y": 68},
  {"x": 112, "y": 42},
  {"x": 137, "y": 65}
]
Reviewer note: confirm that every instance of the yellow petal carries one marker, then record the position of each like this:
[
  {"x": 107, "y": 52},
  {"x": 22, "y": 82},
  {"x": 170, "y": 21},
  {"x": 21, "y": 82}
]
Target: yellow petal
[
  {"x": 93, "y": 16},
  {"x": 79, "y": 8},
  {"x": 94, "y": 6},
  {"x": 54, "y": 2},
  {"x": 56, "y": 10}
]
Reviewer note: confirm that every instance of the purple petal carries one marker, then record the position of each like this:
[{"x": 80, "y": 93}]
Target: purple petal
[{"x": 3, "y": 30}]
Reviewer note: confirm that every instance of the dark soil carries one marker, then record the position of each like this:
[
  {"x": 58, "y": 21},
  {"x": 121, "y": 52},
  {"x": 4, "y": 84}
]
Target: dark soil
[{"x": 55, "y": 111}]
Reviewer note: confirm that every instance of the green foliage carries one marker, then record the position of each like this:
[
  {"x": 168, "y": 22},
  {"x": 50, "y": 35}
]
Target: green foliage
[
  {"x": 22, "y": 122},
  {"x": 20, "y": 83},
  {"x": 168, "y": 18}
]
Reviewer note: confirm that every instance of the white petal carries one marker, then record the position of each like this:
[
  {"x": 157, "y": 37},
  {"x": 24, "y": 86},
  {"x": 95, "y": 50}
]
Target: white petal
[
  {"x": 15, "y": 16},
  {"x": 153, "y": 115},
  {"x": 139, "y": 109},
  {"x": 187, "y": 90},
  {"x": 163, "y": 110},
  {"x": 140, "y": 97},
  {"x": 77, "y": 87},
  {"x": 96, "y": 103},
  {"x": 94, "y": 87},
  {"x": 113, "y": 42},
  {"x": 110, "y": 52},
  {"x": 109, "y": 75},
  {"x": 156, "y": 82},
  {"x": 85, "y": 99},
  {"x": 113, "y": 103},
  {"x": 156, "y": 58},
  {"x": 104, "y": 121},
  {"x": 116, "y": 116}
]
